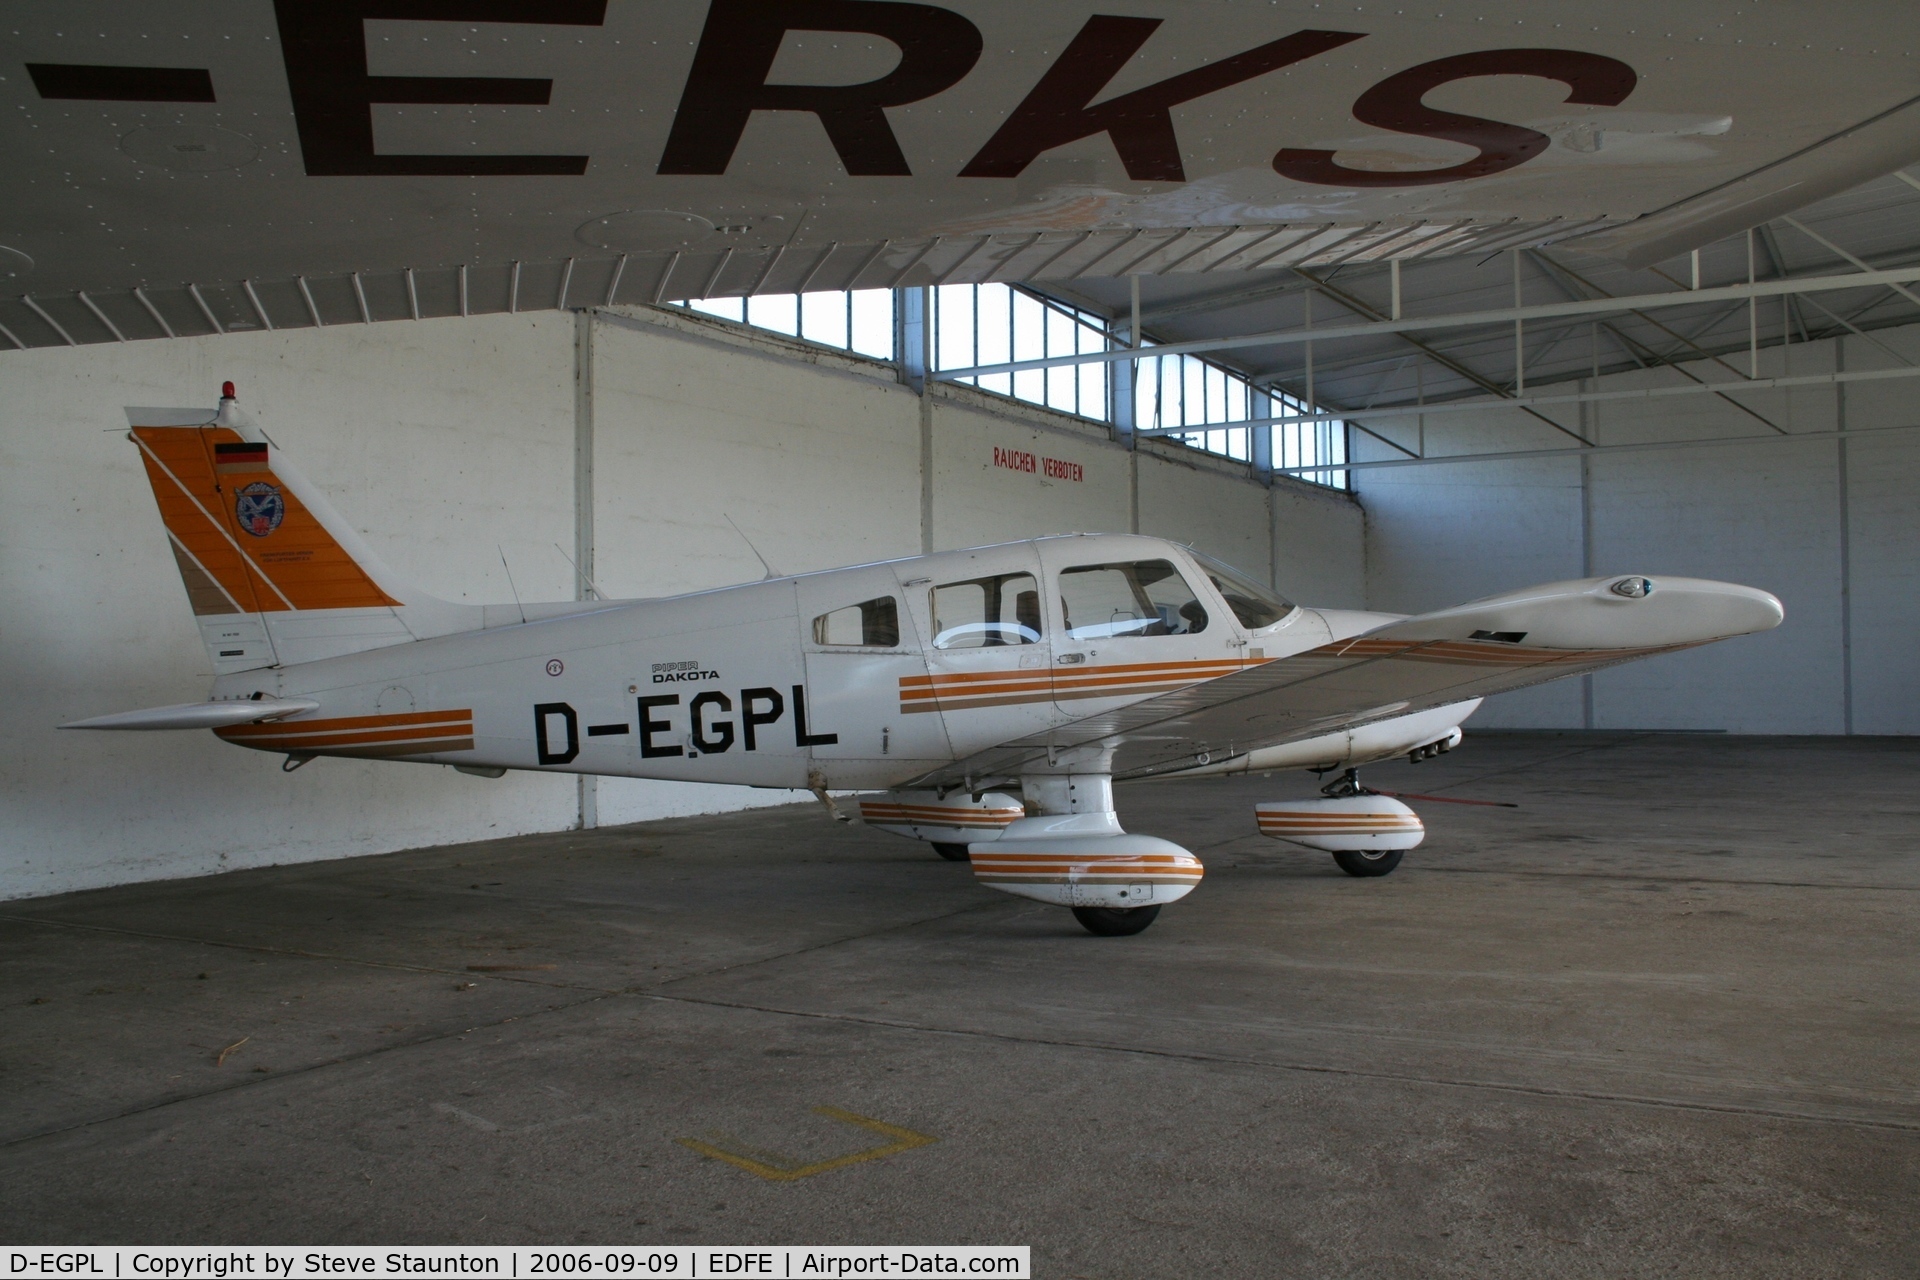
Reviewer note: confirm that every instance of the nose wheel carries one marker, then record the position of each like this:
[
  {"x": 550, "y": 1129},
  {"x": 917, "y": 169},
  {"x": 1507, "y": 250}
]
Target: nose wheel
[
  {"x": 1365, "y": 863},
  {"x": 1369, "y": 862},
  {"x": 1115, "y": 922}
]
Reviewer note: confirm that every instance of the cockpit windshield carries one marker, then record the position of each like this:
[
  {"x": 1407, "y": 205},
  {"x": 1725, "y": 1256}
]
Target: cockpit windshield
[{"x": 1256, "y": 606}]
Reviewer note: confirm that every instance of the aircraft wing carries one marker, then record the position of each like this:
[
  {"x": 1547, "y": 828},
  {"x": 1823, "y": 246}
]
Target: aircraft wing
[{"x": 1489, "y": 646}]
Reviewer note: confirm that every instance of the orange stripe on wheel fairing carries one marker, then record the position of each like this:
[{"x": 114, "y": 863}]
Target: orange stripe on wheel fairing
[
  {"x": 1333, "y": 818},
  {"x": 1354, "y": 828},
  {"x": 1081, "y": 870},
  {"x": 985, "y": 864},
  {"x": 1082, "y": 880},
  {"x": 911, "y": 811},
  {"x": 1188, "y": 881},
  {"x": 1016, "y": 861},
  {"x": 1336, "y": 831},
  {"x": 1380, "y": 825},
  {"x": 1338, "y": 820},
  {"x": 903, "y": 806}
]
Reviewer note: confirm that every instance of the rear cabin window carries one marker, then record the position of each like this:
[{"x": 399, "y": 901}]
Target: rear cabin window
[
  {"x": 871, "y": 622},
  {"x": 985, "y": 613},
  {"x": 1138, "y": 598}
]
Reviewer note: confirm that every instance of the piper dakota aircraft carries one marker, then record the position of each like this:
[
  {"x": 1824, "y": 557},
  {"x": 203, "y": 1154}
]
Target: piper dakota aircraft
[{"x": 991, "y": 696}]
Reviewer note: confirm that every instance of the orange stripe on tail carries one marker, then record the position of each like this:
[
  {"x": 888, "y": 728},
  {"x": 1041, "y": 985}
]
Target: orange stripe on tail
[{"x": 244, "y": 542}]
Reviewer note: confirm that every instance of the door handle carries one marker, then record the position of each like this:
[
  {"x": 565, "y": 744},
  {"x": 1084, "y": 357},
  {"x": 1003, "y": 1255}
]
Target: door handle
[{"x": 1071, "y": 657}]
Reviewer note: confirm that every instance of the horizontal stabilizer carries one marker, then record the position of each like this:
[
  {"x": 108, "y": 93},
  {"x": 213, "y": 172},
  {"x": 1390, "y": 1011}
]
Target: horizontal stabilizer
[{"x": 200, "y": 715}]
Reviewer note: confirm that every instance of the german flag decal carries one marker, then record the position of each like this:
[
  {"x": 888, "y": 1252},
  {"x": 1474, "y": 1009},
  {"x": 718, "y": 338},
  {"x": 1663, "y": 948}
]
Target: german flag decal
[{"x": 237, "y": 459}]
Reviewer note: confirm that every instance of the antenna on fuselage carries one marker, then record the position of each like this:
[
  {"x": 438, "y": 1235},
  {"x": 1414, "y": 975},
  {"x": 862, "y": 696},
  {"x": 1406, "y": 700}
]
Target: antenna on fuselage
[
  {"x": 516, "y": 591},
  {"x": 756, "y": 551},
  {"x": 592, "y": 586}
]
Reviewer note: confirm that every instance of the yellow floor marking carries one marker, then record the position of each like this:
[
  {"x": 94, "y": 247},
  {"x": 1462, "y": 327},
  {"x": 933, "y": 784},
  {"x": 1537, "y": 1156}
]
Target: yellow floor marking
[{"x": 775, "y": 1168}]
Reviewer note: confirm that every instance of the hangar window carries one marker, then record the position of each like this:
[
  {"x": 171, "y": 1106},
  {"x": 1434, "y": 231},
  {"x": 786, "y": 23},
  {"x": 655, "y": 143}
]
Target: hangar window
[
  {"x": 1183, "y": 390},
  {"x": 990, "y": 323},
  {"x": 1140, "y": 598},
  {"x": 1183, "y": 398},
  {"x": 871, "y": 622},
  {"x": 860, "y": 320},
  {"x": 986, "y": 613},
  {"x": 975, "y": 324}
]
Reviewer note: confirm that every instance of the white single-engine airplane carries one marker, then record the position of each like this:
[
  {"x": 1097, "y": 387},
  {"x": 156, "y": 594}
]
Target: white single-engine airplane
[{"x": 993, "y": 696}]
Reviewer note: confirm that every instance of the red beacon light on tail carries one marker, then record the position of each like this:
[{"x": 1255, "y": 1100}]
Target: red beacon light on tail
[{"x": 226, "y": 391}]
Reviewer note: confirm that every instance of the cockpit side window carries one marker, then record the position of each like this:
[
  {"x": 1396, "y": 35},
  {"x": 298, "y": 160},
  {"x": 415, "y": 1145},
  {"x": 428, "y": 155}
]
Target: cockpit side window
[
  {"x": 873, "y": 623},
  {"x": 1254, "y": 604},
  {"x": 985, "y": 613},
  {"x": 1128, "y": 600}
]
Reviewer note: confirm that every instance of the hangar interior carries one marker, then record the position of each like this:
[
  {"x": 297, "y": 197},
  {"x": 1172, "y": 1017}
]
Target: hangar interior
[
  {"x": 673, "y": 448},
  {"x": 1641, "y": 1004}
]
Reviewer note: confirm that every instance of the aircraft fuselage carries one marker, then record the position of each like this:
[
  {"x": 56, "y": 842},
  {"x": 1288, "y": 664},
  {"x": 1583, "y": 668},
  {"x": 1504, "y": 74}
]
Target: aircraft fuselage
[{"x": 864, "y": 677}]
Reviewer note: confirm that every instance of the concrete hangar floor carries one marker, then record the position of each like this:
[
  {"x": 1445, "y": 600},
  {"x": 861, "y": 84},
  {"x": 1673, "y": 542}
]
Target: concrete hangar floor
[{"x": 1660, "y": 1019}]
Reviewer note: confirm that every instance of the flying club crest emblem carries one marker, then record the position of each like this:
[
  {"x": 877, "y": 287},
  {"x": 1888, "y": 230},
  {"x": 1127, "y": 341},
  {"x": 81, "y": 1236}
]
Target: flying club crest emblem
[{"x": 259, "y": 508}]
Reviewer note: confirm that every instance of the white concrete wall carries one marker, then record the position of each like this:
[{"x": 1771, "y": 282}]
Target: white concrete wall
[
  {"x": 450, "y": 444},
  {"x": 396, "y": 422},
  {"x": 1770, "y": 515}
]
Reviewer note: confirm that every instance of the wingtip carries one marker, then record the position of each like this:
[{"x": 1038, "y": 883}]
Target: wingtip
[{"x": 1619, "y": 611}]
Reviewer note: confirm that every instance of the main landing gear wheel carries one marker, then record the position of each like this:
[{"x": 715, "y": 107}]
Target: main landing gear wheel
[
  {"x": 951, "y": 852},
  {"x": 1369, "y": 862},
  {"x": 1115, "y": 922}
]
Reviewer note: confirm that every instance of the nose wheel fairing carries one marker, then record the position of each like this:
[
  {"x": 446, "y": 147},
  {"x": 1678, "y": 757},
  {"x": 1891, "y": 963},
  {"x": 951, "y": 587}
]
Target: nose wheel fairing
[
  {"x": 1062, "y": 845},
  {"x": 1367, "y": 833},
  {"x": 1068, "y": 862},
  {"x": 1071, "y": 850},
  {"x": 1343, "y": 824}
]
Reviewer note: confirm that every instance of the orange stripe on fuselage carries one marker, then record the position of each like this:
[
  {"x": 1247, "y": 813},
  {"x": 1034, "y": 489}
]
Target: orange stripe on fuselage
[
  {"x": 951, "y": 678},
  {"x": 403, "y": 733},
  {"x": 362, "y": 738},
  {"x": 345, "y": 722},
  {"x": 966, "y": 690}
]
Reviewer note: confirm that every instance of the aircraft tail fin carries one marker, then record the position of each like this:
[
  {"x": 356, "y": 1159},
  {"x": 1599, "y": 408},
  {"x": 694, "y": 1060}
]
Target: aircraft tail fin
[{"x": 274, "y": 575}]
